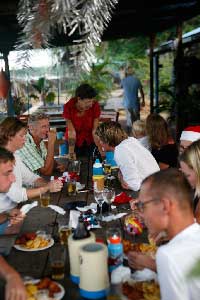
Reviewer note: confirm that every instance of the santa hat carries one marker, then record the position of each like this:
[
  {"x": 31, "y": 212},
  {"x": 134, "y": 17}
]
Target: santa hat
[{"x": 191, "y": 134}]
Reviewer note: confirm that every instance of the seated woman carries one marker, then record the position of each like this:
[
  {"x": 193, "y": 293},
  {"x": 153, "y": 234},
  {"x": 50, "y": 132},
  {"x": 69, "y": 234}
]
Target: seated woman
[
  {"x": 163, "y": 147},
  {"x": 12, "y": 138},
  {"x": 190, "y": 166},
  {"x": 82, "y": 117}
]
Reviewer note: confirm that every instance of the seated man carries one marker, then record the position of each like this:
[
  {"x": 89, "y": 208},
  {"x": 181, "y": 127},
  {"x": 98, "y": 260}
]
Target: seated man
[
  {"x": 135, "y": 161},
  {"x": 34, "y": 154},
  {"x": 7, "y": 177},
  {"x": 14, "y": 285},
  {"x": 165, "y": 203},
  {"x": 188, "y": 136}
]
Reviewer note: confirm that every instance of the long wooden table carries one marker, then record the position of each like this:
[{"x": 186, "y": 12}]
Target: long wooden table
[{"x": 36, "y": 264}]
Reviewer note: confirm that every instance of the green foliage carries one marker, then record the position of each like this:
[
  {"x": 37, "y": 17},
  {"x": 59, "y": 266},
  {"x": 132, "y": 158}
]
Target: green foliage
[
  {"x": 50, "y": 97},
  {"x": 41, "y": 85},
  {"x": 99, "y": 78}
]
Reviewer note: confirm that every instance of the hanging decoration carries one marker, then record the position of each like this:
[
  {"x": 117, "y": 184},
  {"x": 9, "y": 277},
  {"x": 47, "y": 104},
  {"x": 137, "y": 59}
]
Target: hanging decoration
[
  {"x": 85, "y": 19},
  {"x": 4, "y": 85}
]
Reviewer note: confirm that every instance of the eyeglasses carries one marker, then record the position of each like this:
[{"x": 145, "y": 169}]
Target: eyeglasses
[{"x": 141, "y": 205}]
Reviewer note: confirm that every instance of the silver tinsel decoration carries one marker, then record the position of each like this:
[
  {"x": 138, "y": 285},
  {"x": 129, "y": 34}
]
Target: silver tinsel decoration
[{"x": 85, "y": 18}]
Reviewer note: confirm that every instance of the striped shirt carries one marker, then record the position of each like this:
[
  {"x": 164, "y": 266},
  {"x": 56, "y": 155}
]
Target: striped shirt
[{"x": 32, "y": 156}]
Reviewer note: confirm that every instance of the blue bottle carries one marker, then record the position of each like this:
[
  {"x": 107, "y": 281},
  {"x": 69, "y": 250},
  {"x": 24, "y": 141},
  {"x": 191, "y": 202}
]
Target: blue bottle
[
  {"x": 97, "y": 168},
  {"x": 115, "y": 249}
]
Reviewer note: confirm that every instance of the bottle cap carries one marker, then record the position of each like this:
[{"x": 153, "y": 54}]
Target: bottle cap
[
  {"x": 115, "y": 239},
  {"x": 97, "y": 161}
]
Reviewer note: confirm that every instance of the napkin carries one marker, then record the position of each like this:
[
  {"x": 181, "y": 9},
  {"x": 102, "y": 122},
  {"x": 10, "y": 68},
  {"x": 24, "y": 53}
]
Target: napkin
[
  {"x": 58, "y": 209},
  {"x": 73, "y": 218},
  {"x": 26, "y": 207},
  {"x": 79, "y": 186},
  {"x": 143, "y": 275},
  {"x": 113, "y": 217},
  {"x": 92, "y": 206},
  {"x": 120, "y": 274},
  {"x": 74, "y": 176},
  {"x": 122, "y": 198}
]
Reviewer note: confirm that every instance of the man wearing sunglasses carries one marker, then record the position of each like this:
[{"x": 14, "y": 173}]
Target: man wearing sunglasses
[{"x": 165, "y": 203}]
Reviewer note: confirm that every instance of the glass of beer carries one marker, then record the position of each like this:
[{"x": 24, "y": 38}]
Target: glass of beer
[
  {"x": 63, "y": 230},
  {"x": 57, "y": 261},
  {"x": 107, "y": 168},
  {"x": 71, "y": 188},
  {"x": 44, "y": 199}
]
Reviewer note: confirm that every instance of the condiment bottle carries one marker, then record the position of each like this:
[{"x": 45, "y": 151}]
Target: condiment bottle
[
  {"x": 115, "y": 249},
  {"x": 97, "y": 168}
]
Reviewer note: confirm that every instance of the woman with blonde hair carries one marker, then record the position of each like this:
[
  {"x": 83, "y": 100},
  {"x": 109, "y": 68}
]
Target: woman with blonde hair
[
  {"x": 190, "y": 166},
  {"x": 163, "y": 147}
]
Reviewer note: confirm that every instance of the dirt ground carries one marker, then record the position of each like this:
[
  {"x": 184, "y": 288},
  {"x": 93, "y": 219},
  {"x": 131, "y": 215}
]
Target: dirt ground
[{"x": 115, "y": 102}]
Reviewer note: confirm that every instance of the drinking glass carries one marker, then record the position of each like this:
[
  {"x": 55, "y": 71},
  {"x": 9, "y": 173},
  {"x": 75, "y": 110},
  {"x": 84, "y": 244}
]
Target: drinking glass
[
  {"x": 63, "y": 230},
  {"x": 109, "y": 197},
  {"x": 71, "y": 188},
  {"x": 74, "y": 166},
  {"x": 44, "y": 199},
  {"x": 57, "y": 261},
  {"x": 98, "y": 196},
  {"x": 107, "y": 168}
]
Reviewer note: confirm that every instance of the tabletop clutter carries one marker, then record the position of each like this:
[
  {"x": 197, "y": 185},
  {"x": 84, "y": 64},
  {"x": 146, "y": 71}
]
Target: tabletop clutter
[{"x": 86, "y": 255}]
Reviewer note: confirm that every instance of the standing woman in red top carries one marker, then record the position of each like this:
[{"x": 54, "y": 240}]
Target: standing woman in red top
[{"x": 82, "y": 118}]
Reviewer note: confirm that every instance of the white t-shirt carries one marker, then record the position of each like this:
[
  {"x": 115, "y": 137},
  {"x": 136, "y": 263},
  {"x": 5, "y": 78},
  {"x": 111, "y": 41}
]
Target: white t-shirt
[
  {"x": 145, "y": 142},
  {"x": 17, "y": 193},
  {"x": 135, "y": 162},
  {"x": 174, "y": 262}
]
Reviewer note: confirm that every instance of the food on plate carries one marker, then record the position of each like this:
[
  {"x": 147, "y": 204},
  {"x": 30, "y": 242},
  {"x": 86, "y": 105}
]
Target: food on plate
[
  {"x": 139, "y": 247},
  {"x": 148, "y": 290},
  {"x": 31, "y": 240},
  {"x": 127, "y": 246},
  {"x": 43, "y": 284}
]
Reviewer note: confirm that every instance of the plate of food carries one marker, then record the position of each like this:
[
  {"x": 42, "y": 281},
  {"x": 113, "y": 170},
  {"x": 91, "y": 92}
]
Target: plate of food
[
  {"x": 32, "y": 241},
  {"x": 149, "y": 249},
  {"x": 148, "y": 290},
  {"x": 54, "y": 289}
]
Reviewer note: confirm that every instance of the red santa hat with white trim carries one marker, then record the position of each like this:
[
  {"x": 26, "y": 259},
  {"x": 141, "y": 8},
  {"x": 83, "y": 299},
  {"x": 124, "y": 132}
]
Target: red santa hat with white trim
[{"x": 191, "y": 133}]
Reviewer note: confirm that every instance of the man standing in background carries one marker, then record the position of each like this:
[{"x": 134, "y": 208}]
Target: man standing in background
[{"x": 131, "y": 86}]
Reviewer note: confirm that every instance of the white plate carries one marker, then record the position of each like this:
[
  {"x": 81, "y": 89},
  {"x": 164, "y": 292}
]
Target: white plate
[
  {"x": 57, "y": 296},
  {"x": 18, "y": 247}
]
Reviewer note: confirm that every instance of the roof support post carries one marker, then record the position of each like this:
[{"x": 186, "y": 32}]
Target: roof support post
[
  {"x": 10, "y": 106},
  {"x": 180, "y": 87},
  {"x": 156, "y": 80},
  {"x": 152, "y": 43}
]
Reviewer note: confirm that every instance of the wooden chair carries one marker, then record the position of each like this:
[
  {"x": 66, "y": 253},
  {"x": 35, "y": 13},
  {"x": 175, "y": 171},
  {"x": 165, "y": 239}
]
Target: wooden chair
[{"x": 109, "y": 115}]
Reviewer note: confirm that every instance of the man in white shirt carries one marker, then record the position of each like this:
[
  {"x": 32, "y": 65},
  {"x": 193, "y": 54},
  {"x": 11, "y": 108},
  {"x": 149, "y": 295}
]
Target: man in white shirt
[
  {"x": 165, "y": 203},
  {"x": 135, "y": 161},
  {"x": 14, "y": 285}
]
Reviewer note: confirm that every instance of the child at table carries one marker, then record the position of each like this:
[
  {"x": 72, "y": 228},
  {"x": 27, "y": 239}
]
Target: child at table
[{"x": 139, "y": 132}]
